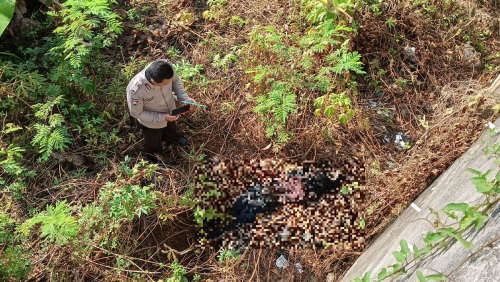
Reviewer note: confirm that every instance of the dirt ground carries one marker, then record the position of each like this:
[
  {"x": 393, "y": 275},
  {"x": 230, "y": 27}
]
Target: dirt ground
[
  {"x": 439, "y": 114},
  {"x": 427, "y": 63}
]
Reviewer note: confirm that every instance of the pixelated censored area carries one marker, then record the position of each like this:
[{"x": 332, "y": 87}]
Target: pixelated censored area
[{"x": 331, "y": 219}]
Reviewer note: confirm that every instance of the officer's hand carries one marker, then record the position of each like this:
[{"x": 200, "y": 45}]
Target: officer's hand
[
  {"x": 171, "y": 118},
  {"x": 190, "y": 100},
  {"x": 190, "y": 107}
]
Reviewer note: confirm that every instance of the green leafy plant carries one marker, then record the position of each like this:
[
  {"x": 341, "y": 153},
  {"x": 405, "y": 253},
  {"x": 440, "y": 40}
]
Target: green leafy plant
[
  {"x": 10, "y": 163},
  {"x": 237, "y": 21},
  {"x": 217, "y": 9},
  {"x": 128, "y": 201},
  {"x": 51, "y": 136},
  {"x": 81, "y": 20},
  {"x": 6, "y": 12},
  {"x": 390, "y": 23},
  {"x": 201, "y": 215},
  {"x": 341, "y": 8},
  {"x": 324, "y": 36},
  {"x": 290, "y": 70},
  {"x": 343, "y": 61},
  {"x": 178, "y": 273},
  {"x": 56, "y": 224},
  {"x": 333, "y": 103},
  {"x": 228, "y": 107},
  {"x": 191, "y": 75},
  {"x": 229, "y": 254},
  {"x": 7, "y": 225},
  {"x": 14, "y": 264},
  {"x": 223, "y": 62},
  {"x": 278, "y": 104}
]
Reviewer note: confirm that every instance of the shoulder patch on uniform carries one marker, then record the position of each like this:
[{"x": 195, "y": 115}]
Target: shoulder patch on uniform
[
  {"x": 148, "y": 86},
  {"x": 136, "y": 86},
  {"x": 134, "y": 101}
]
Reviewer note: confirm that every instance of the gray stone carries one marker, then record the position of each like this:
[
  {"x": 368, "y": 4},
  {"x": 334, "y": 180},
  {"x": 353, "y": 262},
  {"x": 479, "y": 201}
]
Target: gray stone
[
  {"x": 71, "y": 158},
  {"x": 409, "y": 53},
  {"x": 470, "y": 56},
  {"x": 330, "y": 277}
]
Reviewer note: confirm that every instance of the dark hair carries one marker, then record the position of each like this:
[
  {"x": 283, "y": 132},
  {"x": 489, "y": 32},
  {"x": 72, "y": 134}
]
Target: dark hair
[{"x": 159, "y": 70}]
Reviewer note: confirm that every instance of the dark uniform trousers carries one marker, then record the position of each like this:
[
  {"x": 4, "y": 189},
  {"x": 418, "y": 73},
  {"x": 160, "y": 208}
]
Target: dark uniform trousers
[{"x": 153, "y": 136}]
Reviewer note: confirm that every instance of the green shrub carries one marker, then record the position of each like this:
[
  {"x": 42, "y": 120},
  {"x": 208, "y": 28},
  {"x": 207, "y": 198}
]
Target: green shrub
[
  {"x": 89, "y": 25},
  {"x": 51, "y": 136},
  {"x": 128, "y": 201},
  {"x": 56, "y": 224},
  {"x": 14, "y": 264}
]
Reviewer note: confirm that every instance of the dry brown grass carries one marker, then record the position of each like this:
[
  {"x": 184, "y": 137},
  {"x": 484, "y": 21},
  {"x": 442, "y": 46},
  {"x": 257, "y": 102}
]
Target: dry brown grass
[{"x": 442, "y": 95}]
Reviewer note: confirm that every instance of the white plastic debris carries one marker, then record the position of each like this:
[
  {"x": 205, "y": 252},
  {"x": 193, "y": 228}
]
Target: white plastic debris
[
  {"x": 492, "y": 127},
  {"x": 299, "y": 267},
  {"x": 399, "y": 141},
  {"x": 306, "y": 236},
  {"x": 410, "y": 246},
  {"x": 282, "y": 263},
  {"x": 415, "y": 207}
]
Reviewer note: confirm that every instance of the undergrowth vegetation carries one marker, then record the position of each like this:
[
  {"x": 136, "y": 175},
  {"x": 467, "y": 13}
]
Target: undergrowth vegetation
[{"x": 304, "y": 79}]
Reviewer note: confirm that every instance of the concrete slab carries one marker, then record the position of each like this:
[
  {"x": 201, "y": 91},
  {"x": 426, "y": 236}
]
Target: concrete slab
[
  {"x": 453, "y": 186},
  {"x": 495, "y": 87}
]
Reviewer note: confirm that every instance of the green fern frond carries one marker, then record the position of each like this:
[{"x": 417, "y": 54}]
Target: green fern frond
[
  {"x": 56, "y": 120},
  {"x": 323, "y": 37},
  {"x": 343, "y": 60},
  {"x": 57, "y": 224},
  {"x": 269, "y": 131},
  {"x": 280, "y": 101},
  {"x": 82, "y": 20},
  {"x": 349, "y": 62},
  {"x": 49, "y": 138},
  {"x": 59, "y": 139},
  {"x": 43, "y": 110},
  {"x": 42, "y": 136}
]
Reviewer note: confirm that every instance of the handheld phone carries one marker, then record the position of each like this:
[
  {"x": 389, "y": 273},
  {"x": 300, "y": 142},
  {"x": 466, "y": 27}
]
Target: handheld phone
[{"x": 180, "y": 110}]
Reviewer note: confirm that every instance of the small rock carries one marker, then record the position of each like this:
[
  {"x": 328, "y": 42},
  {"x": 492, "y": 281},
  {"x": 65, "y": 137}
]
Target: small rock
[
  {"x": 372, "y": 103},
  {"x": 470, "y": 55},
  {"x": 216, "y": 159},
  {"x": 382, "y": 113},
  {"x": 314, "y": 279},
  {"x": 391, "y": 165},
  {"x": 71, "y": 158},
  {"x": 409, "y": 53},
  {"x": 331, "y": 277},
  {"x": 188, "y": 35},
  {"x": 379, "y": 94},
  {"x": 29, "y": 24}
]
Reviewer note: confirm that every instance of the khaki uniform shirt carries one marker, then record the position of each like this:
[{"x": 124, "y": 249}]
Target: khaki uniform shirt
[{"x": 149, "y": 103}]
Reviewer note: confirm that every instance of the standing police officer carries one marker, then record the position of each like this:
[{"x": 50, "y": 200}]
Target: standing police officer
[{"x": 150, "y": 102}]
